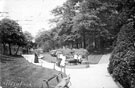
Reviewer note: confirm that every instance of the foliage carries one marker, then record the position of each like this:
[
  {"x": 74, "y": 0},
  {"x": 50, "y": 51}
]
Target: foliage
[
  {"x": 10, "y": 30},
  {"x": 11, "y": 34},
  {"x": 82, "y": 52},
  {"x": 28, "y": 41},
  {"x": 71, "y": 52},
  {"x": 90, "y": 24},
  {"x": 97, "y": 25},
  {"x": 122, "y": 61}
]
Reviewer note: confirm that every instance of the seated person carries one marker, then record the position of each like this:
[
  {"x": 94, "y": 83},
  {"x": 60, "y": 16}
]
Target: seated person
[
  {"x": 76, "y": 56},
  {"x": 80, "y": 58}
]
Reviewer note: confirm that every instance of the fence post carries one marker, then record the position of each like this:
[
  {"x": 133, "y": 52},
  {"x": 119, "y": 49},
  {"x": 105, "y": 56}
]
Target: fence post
[
  {"x": 54, "y": 66},
  {"x": 64, "y": 69}
]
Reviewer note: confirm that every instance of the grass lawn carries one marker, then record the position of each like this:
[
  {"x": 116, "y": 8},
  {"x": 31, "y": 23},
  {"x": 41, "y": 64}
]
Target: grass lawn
[
  {"x": 49, "y": 58},
  {"x": 93, "y": 59},
  {"x": 16, "y": 71}
]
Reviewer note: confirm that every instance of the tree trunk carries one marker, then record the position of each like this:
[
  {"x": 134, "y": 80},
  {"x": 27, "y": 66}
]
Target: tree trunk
[
  {"x": 84, "y": 41},
  {"x": 10, "y": 52},
  {"x": 99, "y": 42},
  {"x": 4, "y": 48},
  {"x": 81, "y": 45},
  {"x": 72, "y": 44},
  {"x": 17, "y": 50},
  {"x": 27, "y": 50},
  {"x": 77, "y": 44},
  {"x": 93, "y": 40}
]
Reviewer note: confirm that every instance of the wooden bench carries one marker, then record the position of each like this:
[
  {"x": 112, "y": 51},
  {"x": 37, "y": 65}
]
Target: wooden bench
[
  {"x": 53, "y": 77},
  {"x": 64, "y": 83},
  {"x": 61, "y": 84}
]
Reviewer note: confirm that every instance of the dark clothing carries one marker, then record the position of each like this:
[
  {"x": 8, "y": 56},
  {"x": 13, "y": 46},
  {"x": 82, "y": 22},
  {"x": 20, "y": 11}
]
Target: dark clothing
[{"x": 36, "y": 58}]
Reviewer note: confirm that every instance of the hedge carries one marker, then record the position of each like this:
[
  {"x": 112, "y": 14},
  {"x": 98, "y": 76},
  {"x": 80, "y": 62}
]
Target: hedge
[{"x": 122, "y": 60}]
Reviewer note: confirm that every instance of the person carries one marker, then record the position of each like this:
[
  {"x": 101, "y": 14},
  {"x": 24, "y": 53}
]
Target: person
[
  {"x": 79, "y": 58},
  {"x": 36, "y": 58},
  {"x": 63, "y": 57},
  {"x": 76, "y": 56},
  {"x": 58, "y": 59}
]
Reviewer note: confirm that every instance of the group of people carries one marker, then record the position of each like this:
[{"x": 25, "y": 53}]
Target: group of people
[{"x": 62, "y": 58}]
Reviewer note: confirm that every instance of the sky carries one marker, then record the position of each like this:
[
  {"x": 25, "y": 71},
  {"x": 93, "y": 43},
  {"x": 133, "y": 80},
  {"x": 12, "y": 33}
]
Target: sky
[{"x": 32, "y": 15}]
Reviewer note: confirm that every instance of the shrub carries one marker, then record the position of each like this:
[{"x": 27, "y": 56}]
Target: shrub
[{"x": 122, "y": 61}]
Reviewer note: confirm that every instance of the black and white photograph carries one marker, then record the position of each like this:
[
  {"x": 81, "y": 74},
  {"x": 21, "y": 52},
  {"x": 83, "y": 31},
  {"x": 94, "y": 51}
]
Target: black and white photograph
[{"x": 67, "y": 43}]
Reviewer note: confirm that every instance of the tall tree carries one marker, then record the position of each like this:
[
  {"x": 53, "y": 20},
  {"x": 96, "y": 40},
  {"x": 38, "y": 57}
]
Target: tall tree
[
  {"x": 11, "y": 33},
  {"x": 29, "y": 40}
]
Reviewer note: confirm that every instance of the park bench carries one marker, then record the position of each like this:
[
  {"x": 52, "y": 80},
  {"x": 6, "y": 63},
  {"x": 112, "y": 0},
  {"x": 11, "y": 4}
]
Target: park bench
[
  {"x": 64, "y": 83},
  {"x": 61, "y": 84}
]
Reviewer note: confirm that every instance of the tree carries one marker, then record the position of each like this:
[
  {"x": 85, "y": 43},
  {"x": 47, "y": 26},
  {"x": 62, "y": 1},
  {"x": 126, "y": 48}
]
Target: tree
[
  {"x": 29, "y": 42},
  {"x": 11, "y": 33},
  {"x": 44, "y": 40},
  {"x": 83, "y": 17},
  {"x": 85, "y": 23}
]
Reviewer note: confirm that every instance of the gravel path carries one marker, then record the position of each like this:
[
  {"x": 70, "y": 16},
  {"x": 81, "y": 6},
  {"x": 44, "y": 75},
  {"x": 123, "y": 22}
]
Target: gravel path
[{"x": 96, "y": 76}]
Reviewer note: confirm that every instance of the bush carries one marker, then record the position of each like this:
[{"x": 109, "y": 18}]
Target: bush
[
  {"x": 71, "y": 52},
  {"x": 82, "y": 52},
  {"x": 122, "y": 61}
]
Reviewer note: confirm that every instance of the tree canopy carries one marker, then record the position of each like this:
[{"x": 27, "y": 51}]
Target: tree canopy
[{"x": 11, "y": 34}]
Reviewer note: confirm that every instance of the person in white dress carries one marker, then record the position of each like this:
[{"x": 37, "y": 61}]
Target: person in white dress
[
  {"x": 63, "y": 57},
  {"x": 62, "y": 64}
]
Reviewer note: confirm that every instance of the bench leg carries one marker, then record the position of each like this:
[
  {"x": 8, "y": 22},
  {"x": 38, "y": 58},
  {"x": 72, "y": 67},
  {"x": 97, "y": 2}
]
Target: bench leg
[
  {"x": 61, "y": 69},
  {"x": 57, "y": 78},
  {"x": 47, "y": 84}
]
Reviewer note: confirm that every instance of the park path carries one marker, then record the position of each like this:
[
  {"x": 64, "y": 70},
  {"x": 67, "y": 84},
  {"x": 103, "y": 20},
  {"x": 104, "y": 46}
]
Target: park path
[{"x": 96, "y": 76}]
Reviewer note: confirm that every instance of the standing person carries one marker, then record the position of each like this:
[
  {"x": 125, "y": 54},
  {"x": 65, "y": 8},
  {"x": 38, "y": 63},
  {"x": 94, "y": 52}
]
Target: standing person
[
  {"x": 63, "y": 57},
  {"x": 62, "y": 64},
  {"x": 58, "y": 59},
  {"x": 36, "y": 58}
]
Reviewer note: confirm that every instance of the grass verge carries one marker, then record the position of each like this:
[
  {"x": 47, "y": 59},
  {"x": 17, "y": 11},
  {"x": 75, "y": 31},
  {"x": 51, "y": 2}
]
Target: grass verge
[{"x": 19, "y": 73}]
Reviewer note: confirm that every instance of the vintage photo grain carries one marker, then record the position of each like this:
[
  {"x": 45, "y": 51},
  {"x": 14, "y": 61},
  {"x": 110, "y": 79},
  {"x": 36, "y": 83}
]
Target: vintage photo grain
[{"x": 67, "y": 43}]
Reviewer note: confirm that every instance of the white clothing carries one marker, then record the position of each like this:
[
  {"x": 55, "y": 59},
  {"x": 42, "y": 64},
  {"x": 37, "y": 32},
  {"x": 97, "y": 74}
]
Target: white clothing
[
  {"x": 80, "y": 57},
  {"x": 75, "y": 56},
  {"x": 60, "y": 56},
  {"x": 63, "y": 60}
]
